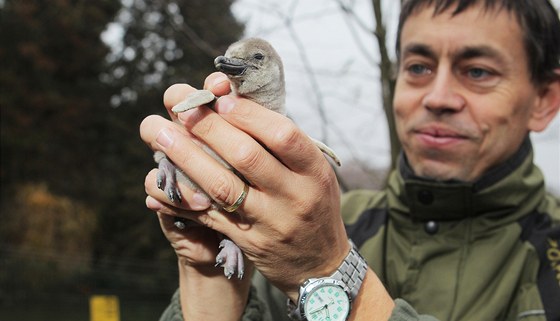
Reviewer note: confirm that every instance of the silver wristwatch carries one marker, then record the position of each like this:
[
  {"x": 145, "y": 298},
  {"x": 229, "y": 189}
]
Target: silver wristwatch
[{"x": 330, "y": 298}]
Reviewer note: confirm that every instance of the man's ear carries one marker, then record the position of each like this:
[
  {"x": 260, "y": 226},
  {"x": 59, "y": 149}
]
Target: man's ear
[{"x": 547, "y": 106}]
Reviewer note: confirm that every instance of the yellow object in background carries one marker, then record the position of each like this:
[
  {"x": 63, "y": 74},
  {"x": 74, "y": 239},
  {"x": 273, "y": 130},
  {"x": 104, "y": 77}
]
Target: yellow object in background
[{"x": 104, "y": 308}]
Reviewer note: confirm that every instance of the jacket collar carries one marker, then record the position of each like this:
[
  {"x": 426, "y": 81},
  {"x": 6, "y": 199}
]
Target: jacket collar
[{"x": 514, "y": 185}]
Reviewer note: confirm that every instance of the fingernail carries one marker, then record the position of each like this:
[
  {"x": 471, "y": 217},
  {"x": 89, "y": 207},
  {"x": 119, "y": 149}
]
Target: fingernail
[
  {"x": 200, "y": 201},
  {"x": 225, "y": 104},
  {"x": 164, "y": 138},
  {"x": 220, "y": 79},
  {"x": 153, "y": 204},
  {"x": 184, "y": 116}
]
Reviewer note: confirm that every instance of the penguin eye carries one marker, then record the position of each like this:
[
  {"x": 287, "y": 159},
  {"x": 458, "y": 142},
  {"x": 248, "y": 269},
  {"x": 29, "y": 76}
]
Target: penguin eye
[{"x": 258, "y": 56}]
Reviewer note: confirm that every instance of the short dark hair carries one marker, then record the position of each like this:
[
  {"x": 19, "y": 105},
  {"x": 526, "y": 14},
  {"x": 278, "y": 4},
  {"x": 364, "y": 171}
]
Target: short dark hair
[{"x": 538, "y": 19}]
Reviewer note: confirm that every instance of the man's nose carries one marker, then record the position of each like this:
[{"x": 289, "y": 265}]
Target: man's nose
[{"x": 443, "y": 95}]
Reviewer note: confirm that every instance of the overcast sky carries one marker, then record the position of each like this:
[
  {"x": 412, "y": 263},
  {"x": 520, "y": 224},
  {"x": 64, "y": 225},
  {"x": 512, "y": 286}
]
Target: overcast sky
[{"x": 342, "y": 56}]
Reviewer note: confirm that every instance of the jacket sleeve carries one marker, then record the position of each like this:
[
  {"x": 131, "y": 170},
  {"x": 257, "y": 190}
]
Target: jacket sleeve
[
  {"x": 404, "y": 312},
  {"x": 254, "y": 311},
  {"x": 173, "y": 310}
]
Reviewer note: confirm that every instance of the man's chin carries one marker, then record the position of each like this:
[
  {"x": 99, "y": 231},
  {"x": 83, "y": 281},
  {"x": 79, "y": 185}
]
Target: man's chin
[{"x": 441, "y": 171}]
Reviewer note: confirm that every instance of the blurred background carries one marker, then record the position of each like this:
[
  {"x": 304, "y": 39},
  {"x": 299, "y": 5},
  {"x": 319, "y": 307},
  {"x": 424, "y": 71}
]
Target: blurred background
[{"x": 76, "y": 79}]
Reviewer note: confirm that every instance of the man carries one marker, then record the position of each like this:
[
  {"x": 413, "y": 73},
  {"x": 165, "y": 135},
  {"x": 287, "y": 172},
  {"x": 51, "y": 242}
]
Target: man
[{"x": 464, "y": 230}]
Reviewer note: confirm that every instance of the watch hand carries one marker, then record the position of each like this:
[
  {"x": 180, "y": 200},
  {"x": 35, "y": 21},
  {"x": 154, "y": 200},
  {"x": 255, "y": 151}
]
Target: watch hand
[{"x": 319, "y": 309}]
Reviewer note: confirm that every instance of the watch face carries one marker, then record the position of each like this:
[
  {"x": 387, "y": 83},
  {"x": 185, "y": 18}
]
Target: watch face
[{"x": 327, "y": 302}]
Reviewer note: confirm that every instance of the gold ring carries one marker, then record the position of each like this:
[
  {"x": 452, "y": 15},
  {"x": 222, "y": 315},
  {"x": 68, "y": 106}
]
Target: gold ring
[{"x": 240, "y": 199}]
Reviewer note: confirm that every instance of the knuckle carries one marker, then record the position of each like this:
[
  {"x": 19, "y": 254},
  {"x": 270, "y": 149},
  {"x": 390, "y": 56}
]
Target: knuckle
[
  {"x": 245, "y": 157},
  {"x": 206, "y": 220},
  {"x": 221, "y": 190},
  {"x": 203, "y": 128},
  {"x": 286, "y": 135},
  {"x": 325, "y": 177},
  {"x": 306, "y": 209},
  {"x": 286, "y": 233}
]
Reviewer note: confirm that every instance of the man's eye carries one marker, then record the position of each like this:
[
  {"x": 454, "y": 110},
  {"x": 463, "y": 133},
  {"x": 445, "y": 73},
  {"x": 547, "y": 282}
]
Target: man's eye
[
  {"x": 418, "y": 69},
  {"x": 478, "y": 73}
]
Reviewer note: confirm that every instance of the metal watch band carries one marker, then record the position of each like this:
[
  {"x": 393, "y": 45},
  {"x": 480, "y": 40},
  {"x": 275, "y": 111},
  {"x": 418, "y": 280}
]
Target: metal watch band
[{"x": 352, "y": 271}]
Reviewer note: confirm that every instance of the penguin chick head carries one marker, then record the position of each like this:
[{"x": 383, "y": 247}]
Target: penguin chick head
[{"x": 255, "y": 71}]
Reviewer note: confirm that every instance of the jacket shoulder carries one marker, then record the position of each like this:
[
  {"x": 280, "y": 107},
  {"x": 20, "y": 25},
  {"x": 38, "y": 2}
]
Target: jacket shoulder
[
  {"x": 355, "y": 203},
  {"x": 364, "y": 213}
]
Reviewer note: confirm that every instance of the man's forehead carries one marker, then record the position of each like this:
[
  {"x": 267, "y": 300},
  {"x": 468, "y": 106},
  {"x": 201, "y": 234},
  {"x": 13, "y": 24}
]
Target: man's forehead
[
  {"x": 476, "y": 12},
  {"x": 455, "y": 8},
  {"x": 462, "y": 52},
  {"x": 476, "y": 31}
]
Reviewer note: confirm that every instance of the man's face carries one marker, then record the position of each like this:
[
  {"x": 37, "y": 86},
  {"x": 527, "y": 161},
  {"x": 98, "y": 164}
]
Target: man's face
[{"x": 464, "y": 92}]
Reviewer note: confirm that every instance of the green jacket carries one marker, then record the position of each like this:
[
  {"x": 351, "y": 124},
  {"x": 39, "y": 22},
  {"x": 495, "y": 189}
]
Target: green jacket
[{"x": 489, "y": 250}]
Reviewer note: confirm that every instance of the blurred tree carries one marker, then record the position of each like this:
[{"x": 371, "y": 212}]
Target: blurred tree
[
  {"x": 164, "y": 42},
  {"x": 50, "y": 97},
  {"x": 44, "y": 234},
  {"x": 51, "y": 57},
  {"x": 71, "y": 107}
]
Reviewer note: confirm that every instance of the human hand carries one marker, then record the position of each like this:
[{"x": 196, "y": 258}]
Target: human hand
[
  {"x": 204, "y": 292},
  {"x": 196, "y": 245},
  {"x": 289, "y": 225}
]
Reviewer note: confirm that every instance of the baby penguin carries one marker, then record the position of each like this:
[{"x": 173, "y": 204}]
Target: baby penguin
[{"x": 255, "y": 72}]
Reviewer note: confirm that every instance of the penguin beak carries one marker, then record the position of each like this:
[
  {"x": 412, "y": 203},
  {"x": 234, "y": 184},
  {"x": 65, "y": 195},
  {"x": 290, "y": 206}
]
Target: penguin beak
[{"x": 230, "y": 66}]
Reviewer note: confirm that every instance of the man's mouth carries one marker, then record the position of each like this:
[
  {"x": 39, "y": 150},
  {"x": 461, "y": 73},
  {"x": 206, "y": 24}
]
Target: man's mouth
[{"x": 439, "y": 136}]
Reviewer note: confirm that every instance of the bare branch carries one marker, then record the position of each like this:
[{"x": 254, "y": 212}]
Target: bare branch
[
  {"x": 350, "y": 12},
  {"x": 350, "y": 16},
  {"x": 387, "y": 80},
  {"x": 193, "y": 37},
  {"x": 385, "y": 64}
]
